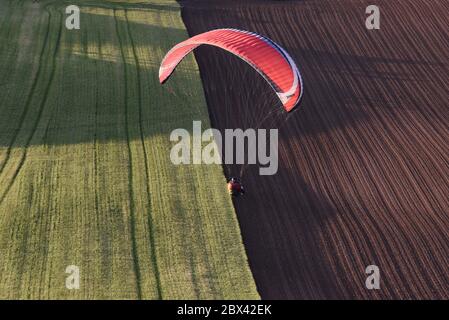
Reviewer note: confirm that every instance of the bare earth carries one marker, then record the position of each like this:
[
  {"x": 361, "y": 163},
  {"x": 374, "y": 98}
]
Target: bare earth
[{"x": 363, "y": 163}]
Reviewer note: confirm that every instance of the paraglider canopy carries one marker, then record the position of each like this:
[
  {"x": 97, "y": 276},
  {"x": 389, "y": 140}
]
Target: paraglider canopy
[{"x": 264, "y": 55}]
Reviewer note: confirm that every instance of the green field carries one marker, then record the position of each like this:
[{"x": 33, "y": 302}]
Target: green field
[{"x": 85, "y": 173}]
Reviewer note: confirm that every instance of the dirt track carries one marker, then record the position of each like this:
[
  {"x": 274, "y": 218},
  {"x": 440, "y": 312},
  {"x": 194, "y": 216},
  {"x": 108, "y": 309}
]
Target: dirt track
[{"x": 363, "y": 165}]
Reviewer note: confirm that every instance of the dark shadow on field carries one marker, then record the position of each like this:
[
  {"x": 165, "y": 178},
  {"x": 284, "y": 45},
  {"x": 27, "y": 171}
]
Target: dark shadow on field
[
  {"x": 284, "y": 245},
  {"x": 53, "y": 113},
  {"x": 368, "y": 67}
]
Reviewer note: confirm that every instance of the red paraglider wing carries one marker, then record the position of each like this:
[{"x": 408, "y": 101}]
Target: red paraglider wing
[{"x": 265, "y": 56}]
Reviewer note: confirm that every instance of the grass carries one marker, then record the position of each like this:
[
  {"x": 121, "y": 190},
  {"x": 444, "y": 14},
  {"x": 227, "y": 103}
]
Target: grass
[{"x": 85, "y": 174}]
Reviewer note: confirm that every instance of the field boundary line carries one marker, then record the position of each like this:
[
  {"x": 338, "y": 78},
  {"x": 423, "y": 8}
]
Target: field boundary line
[{"x": 134, "y": 253}]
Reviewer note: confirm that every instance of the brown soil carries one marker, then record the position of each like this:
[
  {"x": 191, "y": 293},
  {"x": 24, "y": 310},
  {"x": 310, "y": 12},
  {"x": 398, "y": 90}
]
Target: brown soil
[{"x": 363, "y": 163}]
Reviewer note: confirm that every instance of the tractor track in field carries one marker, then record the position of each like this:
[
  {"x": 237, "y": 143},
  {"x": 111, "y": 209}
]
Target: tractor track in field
[
  {"x": 28, "y": 103},
  {"x": 145, "y": 156},
  {"x": 134, "y": 252},
  {"x": 362, "y": 163},
  {"x": 3, "y": 81},
  {"x": 37, "y": 120},
  {"x": 6, "y": 22}
]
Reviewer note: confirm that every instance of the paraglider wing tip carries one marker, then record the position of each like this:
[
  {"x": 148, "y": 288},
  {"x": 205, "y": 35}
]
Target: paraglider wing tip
[
  {"x": 163, "y": 74},
  {"x": 162, "y": 78}
]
